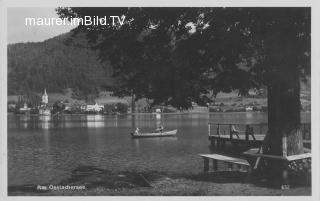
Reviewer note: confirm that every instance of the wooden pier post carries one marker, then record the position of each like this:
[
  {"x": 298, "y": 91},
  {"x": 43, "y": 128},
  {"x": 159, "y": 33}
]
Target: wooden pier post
[
  {"x": 206, "y": 165},
  {"x": 213, "y": 142},
  {"x": 247, "y": 133},
  {"x": 215, "y": 165},
  {"x": 247, "y": 136}
]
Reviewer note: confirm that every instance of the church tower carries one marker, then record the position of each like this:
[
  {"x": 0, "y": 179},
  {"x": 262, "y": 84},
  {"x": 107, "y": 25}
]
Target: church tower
[{"x": 45, "y": 97}]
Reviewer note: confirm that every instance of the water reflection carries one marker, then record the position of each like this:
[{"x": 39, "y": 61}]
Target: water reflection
[
  {"x": 154, "y": 140},
  {"x": 44, "y": 121},
  {"x": 148, "y": 122},
  {"x": 45, "y": 149},
  {"x": 95, "y": 121}
]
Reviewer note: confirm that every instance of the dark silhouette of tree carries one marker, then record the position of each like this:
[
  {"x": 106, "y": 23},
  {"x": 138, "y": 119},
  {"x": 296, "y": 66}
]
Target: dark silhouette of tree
[{"x": 178, "y": 55}]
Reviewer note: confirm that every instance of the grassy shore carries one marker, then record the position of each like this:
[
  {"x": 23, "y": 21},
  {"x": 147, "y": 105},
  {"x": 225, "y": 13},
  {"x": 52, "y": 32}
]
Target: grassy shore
[{"x": 103, "y": 182}]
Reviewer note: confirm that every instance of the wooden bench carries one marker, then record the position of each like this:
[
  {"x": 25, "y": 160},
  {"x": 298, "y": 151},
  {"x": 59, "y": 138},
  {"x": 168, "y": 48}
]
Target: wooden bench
[
  {"x": 227, "y": 159},
  {"x": 254, "y": 153},
  {"x": 285, "y": 160}
]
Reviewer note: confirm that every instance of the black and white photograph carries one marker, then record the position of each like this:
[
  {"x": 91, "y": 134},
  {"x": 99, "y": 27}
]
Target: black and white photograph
[{"x": 204, "y": 100}]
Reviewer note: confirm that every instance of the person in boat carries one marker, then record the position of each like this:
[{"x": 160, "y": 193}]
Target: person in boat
[
  {"x": 137, "y": 131},
  {"x": 159, "y": 129}
]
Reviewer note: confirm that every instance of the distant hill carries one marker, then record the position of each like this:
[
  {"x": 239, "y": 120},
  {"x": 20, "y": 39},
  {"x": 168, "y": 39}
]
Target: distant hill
[
  {"x": 65, "y": 62},
  {"x": 56, "y": 64}
]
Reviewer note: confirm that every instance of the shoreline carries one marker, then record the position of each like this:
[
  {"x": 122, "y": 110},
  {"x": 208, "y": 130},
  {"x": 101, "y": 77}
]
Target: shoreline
[
  {"x": 96, "y": 181},
  {"x": 144, "y": 113}
]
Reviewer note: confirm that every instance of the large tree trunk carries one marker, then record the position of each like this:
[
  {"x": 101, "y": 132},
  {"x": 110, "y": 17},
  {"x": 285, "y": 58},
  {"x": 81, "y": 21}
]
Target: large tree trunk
[{"x": 284, "y": 136}]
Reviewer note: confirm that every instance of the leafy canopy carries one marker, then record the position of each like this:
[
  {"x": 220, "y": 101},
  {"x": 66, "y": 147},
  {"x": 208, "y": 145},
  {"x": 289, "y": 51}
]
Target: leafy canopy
[{"x": 180, "y": 55}]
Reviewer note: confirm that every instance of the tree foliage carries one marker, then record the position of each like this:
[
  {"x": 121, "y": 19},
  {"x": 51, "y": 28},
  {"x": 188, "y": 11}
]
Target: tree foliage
[{"x": 179, "y": 55}]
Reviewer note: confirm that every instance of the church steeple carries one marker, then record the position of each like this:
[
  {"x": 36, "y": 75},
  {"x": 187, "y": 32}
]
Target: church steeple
[{"x": 45, "y": 97}]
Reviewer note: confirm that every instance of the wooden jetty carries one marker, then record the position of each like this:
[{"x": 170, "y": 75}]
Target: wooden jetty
[{"x": 248, "y": 136}]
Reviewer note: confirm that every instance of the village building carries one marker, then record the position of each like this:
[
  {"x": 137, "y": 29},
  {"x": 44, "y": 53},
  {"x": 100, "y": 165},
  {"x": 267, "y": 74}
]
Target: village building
[
  {"x": 198, "y": 109},
  {"x": 25, "y": 108},
  {"x": 94, "y": 108},
  {"x": 12, "y": 106},
  {"x": 249, "y": 108}
]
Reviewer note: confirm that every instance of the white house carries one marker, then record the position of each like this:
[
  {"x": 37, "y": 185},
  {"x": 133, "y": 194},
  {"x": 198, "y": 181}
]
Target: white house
[
  {"x": 94, "y": 108},
  {"x": 25, "y": 108}
]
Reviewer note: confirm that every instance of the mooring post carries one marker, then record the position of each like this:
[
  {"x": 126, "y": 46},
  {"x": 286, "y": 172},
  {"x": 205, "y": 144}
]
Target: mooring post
[
  {"x": 247, "y": 133},
  {"x": 206, "y": 164},
  {"x": 212, "y": 142},
  {"x": 215, "y": 165},
  {"x": 230, "y": 131},
  {"x": 230, "y": 166},
  {"x": 239, "y": 168}
]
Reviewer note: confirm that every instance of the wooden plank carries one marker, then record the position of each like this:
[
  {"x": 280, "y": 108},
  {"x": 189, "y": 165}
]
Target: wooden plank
[
  {"x": 264, "y": 155},
  {"x": 259, "y": 137},
  {"x": 288, "y": 158},
  {"x": 298, "y": 157},
  {"x": 225, "y": 159}
]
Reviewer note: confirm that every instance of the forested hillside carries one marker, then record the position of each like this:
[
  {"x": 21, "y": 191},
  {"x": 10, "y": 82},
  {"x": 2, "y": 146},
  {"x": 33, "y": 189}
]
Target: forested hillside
[
  {"x": 64, "y": 62},
  {"x": 56, "y": 64}
]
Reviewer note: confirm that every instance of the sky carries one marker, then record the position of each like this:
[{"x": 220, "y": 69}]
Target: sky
[{"x": 19, "y": 32}]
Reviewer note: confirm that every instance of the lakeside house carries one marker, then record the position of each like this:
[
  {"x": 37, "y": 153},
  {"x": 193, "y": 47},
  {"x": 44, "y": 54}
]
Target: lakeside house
[
  {"x": 198, "y": 109},
  {"x": 94, "y": 108},
  {"x": 25, "y": 108},
  {"x": 12, "y": 106}
]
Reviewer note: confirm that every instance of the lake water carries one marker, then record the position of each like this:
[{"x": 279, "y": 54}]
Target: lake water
[{"x": 45, "y": 150}]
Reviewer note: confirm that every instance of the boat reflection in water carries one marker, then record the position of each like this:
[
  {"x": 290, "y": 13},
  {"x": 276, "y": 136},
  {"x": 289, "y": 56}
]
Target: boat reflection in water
[{"x": 158, "y": 141}]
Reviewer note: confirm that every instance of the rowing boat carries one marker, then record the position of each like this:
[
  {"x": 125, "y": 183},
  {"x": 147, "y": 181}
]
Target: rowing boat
[{"x": 157, "y": 134}]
